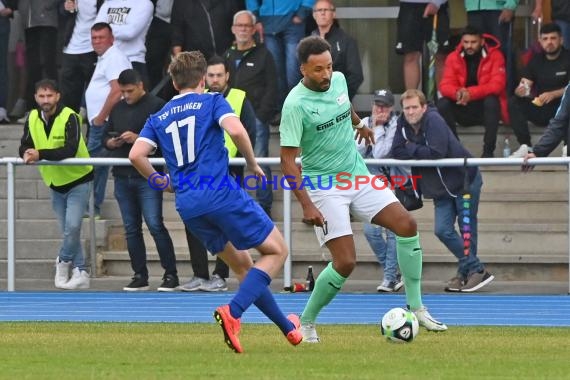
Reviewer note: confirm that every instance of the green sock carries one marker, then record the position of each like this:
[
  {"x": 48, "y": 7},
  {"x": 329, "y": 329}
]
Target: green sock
[
  {"x": 327, "y": 285},
  {"x": 410, "y": 262}
]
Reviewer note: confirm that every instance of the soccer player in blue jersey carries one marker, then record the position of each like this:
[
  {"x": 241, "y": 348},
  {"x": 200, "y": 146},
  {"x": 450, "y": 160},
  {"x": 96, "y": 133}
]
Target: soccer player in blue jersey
[{"x": 190, "y": 132}]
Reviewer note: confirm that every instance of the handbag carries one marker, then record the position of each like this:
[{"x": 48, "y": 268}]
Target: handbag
[{"x": 409, "y": 197}]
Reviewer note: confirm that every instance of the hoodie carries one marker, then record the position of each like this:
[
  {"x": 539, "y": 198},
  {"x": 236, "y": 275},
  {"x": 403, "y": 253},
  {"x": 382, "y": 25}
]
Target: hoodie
[{"x": 434, "y": 141}]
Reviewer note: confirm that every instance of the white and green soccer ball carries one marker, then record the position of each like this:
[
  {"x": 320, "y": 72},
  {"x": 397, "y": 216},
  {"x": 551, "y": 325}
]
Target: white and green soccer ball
[{"x": 399, "y": 325}]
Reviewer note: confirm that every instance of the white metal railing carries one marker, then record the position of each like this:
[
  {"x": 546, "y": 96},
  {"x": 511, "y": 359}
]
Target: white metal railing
[{"x": 11, "y": 162}]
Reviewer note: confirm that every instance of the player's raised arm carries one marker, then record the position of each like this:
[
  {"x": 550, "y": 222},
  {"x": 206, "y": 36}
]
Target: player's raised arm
[{"x": 233, "y": 126}]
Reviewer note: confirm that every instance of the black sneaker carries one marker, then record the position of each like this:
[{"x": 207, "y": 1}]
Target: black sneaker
[
  {"x": 137, "y": 284},
  {"x": 169, "y": 284}
]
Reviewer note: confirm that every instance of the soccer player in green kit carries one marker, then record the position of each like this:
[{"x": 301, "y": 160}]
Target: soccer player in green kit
[{"x": 318, "y": 120}]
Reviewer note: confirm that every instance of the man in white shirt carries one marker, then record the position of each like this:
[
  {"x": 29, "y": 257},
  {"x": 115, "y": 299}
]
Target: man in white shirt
[
  {"x": 130, "y": 20},
  {"x": 78, "y": 60},
  {"x": 102, "y": 94}
]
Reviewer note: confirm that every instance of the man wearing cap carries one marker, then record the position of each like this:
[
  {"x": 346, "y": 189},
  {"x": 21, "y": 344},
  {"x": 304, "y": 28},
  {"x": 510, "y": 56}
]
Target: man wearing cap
[{"x": 383, "y": 122}]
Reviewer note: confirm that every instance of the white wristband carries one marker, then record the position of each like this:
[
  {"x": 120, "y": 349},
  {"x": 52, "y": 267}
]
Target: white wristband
[{"x": 359, "y": 125}]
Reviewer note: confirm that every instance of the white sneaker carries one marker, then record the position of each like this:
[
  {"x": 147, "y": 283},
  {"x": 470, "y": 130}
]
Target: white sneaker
[
  {"x": 309, "y": 333},
  {"x": 23, "y": 119},
  {"x": 79, "y": 280},
  {"x": 215, "y": 284},
  {"x": 520, "y": 152},
  {"x": 62, "y": 270},
  {"x": 19, "y": 109},
  {"x": 565, "y": 151},
  {"x": 427, "y": 321},
  {"x": 3, "y": 115}
]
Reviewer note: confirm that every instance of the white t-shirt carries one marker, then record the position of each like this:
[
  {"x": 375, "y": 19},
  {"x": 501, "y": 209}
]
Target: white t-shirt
[
  {"x": 130, "y": 20},
  {"x": 80, "y": 42},
  {"x": 108, "y": 68}
]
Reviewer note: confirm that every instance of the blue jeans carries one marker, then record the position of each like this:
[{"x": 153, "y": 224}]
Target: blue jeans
[
  {"x": 101, "y": 173},
  {"x": 137, "y": 200},
  {"x": 69, "y": 208},
  {"x": 264, "y": 193},
  {"x": 384, "y": 249},
  {"x": 448, "y": 210},
  {"x": 283, "y": 48}
]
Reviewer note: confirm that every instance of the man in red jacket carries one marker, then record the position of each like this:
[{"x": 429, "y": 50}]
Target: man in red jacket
[{"x": 473, "y": 86}]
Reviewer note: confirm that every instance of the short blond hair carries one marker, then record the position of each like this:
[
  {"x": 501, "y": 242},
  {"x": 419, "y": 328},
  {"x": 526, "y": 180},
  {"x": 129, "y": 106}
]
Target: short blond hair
[
  {"x": 413, "y": 93},
  {"x": 187, "y": 69}
]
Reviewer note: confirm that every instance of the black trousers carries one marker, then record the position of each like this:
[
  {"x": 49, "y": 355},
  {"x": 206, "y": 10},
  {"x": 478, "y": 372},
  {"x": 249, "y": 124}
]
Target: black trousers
[
  {"x": 199, "y": 258},
  {"x": 486, "y": 111},
  {"x": 76, "y": 72},
  {"x": 157, "y": 50},
  {"x": 522, "y": 111},
  {"x": 41, "y": 52}
]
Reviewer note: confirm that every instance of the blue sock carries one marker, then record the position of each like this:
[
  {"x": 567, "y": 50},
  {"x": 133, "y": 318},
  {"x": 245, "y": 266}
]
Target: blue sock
[
  {"x": 254, "y": 283},
  {"x": 266, "y": 303}
]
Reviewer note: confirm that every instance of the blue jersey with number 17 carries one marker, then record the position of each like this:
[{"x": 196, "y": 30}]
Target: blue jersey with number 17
[{"x": 187, "y": 130}]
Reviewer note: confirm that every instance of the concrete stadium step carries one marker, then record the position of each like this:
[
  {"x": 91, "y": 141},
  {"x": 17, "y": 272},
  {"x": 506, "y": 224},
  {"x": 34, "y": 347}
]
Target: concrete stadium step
[{"x": 48, "y": 229}]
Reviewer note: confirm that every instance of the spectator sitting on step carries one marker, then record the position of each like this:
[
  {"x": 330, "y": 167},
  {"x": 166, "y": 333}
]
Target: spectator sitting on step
[
  {"x": 383, "y": 122},
  {"x": 542, "y": 85},
  {"x": 53, "y": 132},
  {"x": 473, "y": 86},
  {"x": 422, "y": 134},
  {"x": 556, "y": 131}
]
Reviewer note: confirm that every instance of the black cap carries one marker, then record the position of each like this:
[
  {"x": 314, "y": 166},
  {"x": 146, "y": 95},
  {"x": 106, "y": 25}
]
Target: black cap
[{"x": 384, "y": 96}]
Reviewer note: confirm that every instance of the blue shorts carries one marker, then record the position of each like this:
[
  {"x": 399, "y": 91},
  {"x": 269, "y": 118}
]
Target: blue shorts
[{"x": 241, "y": 221}]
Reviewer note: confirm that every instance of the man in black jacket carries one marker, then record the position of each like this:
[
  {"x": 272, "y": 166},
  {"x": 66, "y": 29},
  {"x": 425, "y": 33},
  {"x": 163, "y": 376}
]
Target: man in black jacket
[
  {"x": 135, "y": 197},
  {"x": 252, "y": 70},
  {"x": 7, "y": 12},
  {"x": 422, "y": 134},
  {"x": 346, "y": 58}
]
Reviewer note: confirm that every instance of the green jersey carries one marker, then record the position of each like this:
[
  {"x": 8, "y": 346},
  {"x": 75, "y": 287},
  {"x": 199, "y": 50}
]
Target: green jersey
[{"x": 319, "y": 123}]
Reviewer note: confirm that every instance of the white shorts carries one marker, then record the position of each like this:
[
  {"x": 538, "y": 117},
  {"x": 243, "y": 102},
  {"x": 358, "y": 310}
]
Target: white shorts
[{"x": 337, "y": 205}]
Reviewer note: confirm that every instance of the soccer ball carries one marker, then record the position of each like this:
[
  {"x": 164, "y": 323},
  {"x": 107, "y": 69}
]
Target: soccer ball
[{"x": 399, "y": 325}]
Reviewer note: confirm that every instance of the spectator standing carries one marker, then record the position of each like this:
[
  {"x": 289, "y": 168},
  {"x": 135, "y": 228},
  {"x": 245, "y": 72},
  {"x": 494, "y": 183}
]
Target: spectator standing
[
  {"x": 225, "y": 218},
  {"x": 53, "y": 132},
  {"x": 40, "y": 30},
  {"x": 496, "y": 18},
  {"x": 101, "y": 95},
  {"x": 7, "y": 8},
  {"x": 318, "y": 120},
  {"x": 130, "y": 20},
  {"x": 415, "y": 25},
  {"x": 135, "y": 197},
  {"x": 203, "y": 25},
  {"x": 422, "y": 134},
  {"x": 473, "y": 86},
  {"x": 346, "y": 58},
  {"x": 252, "y": 69},
  {"x": 78, "y": 60},
  {"x": 560, "y": 15},
  {"x": 281, "y": 25},
  {"x": 217, "y": 76},
  {"x": 542, "y": 85},
  {"x": 382, "y": 241},
  {"x": 158, "y": 41}
]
